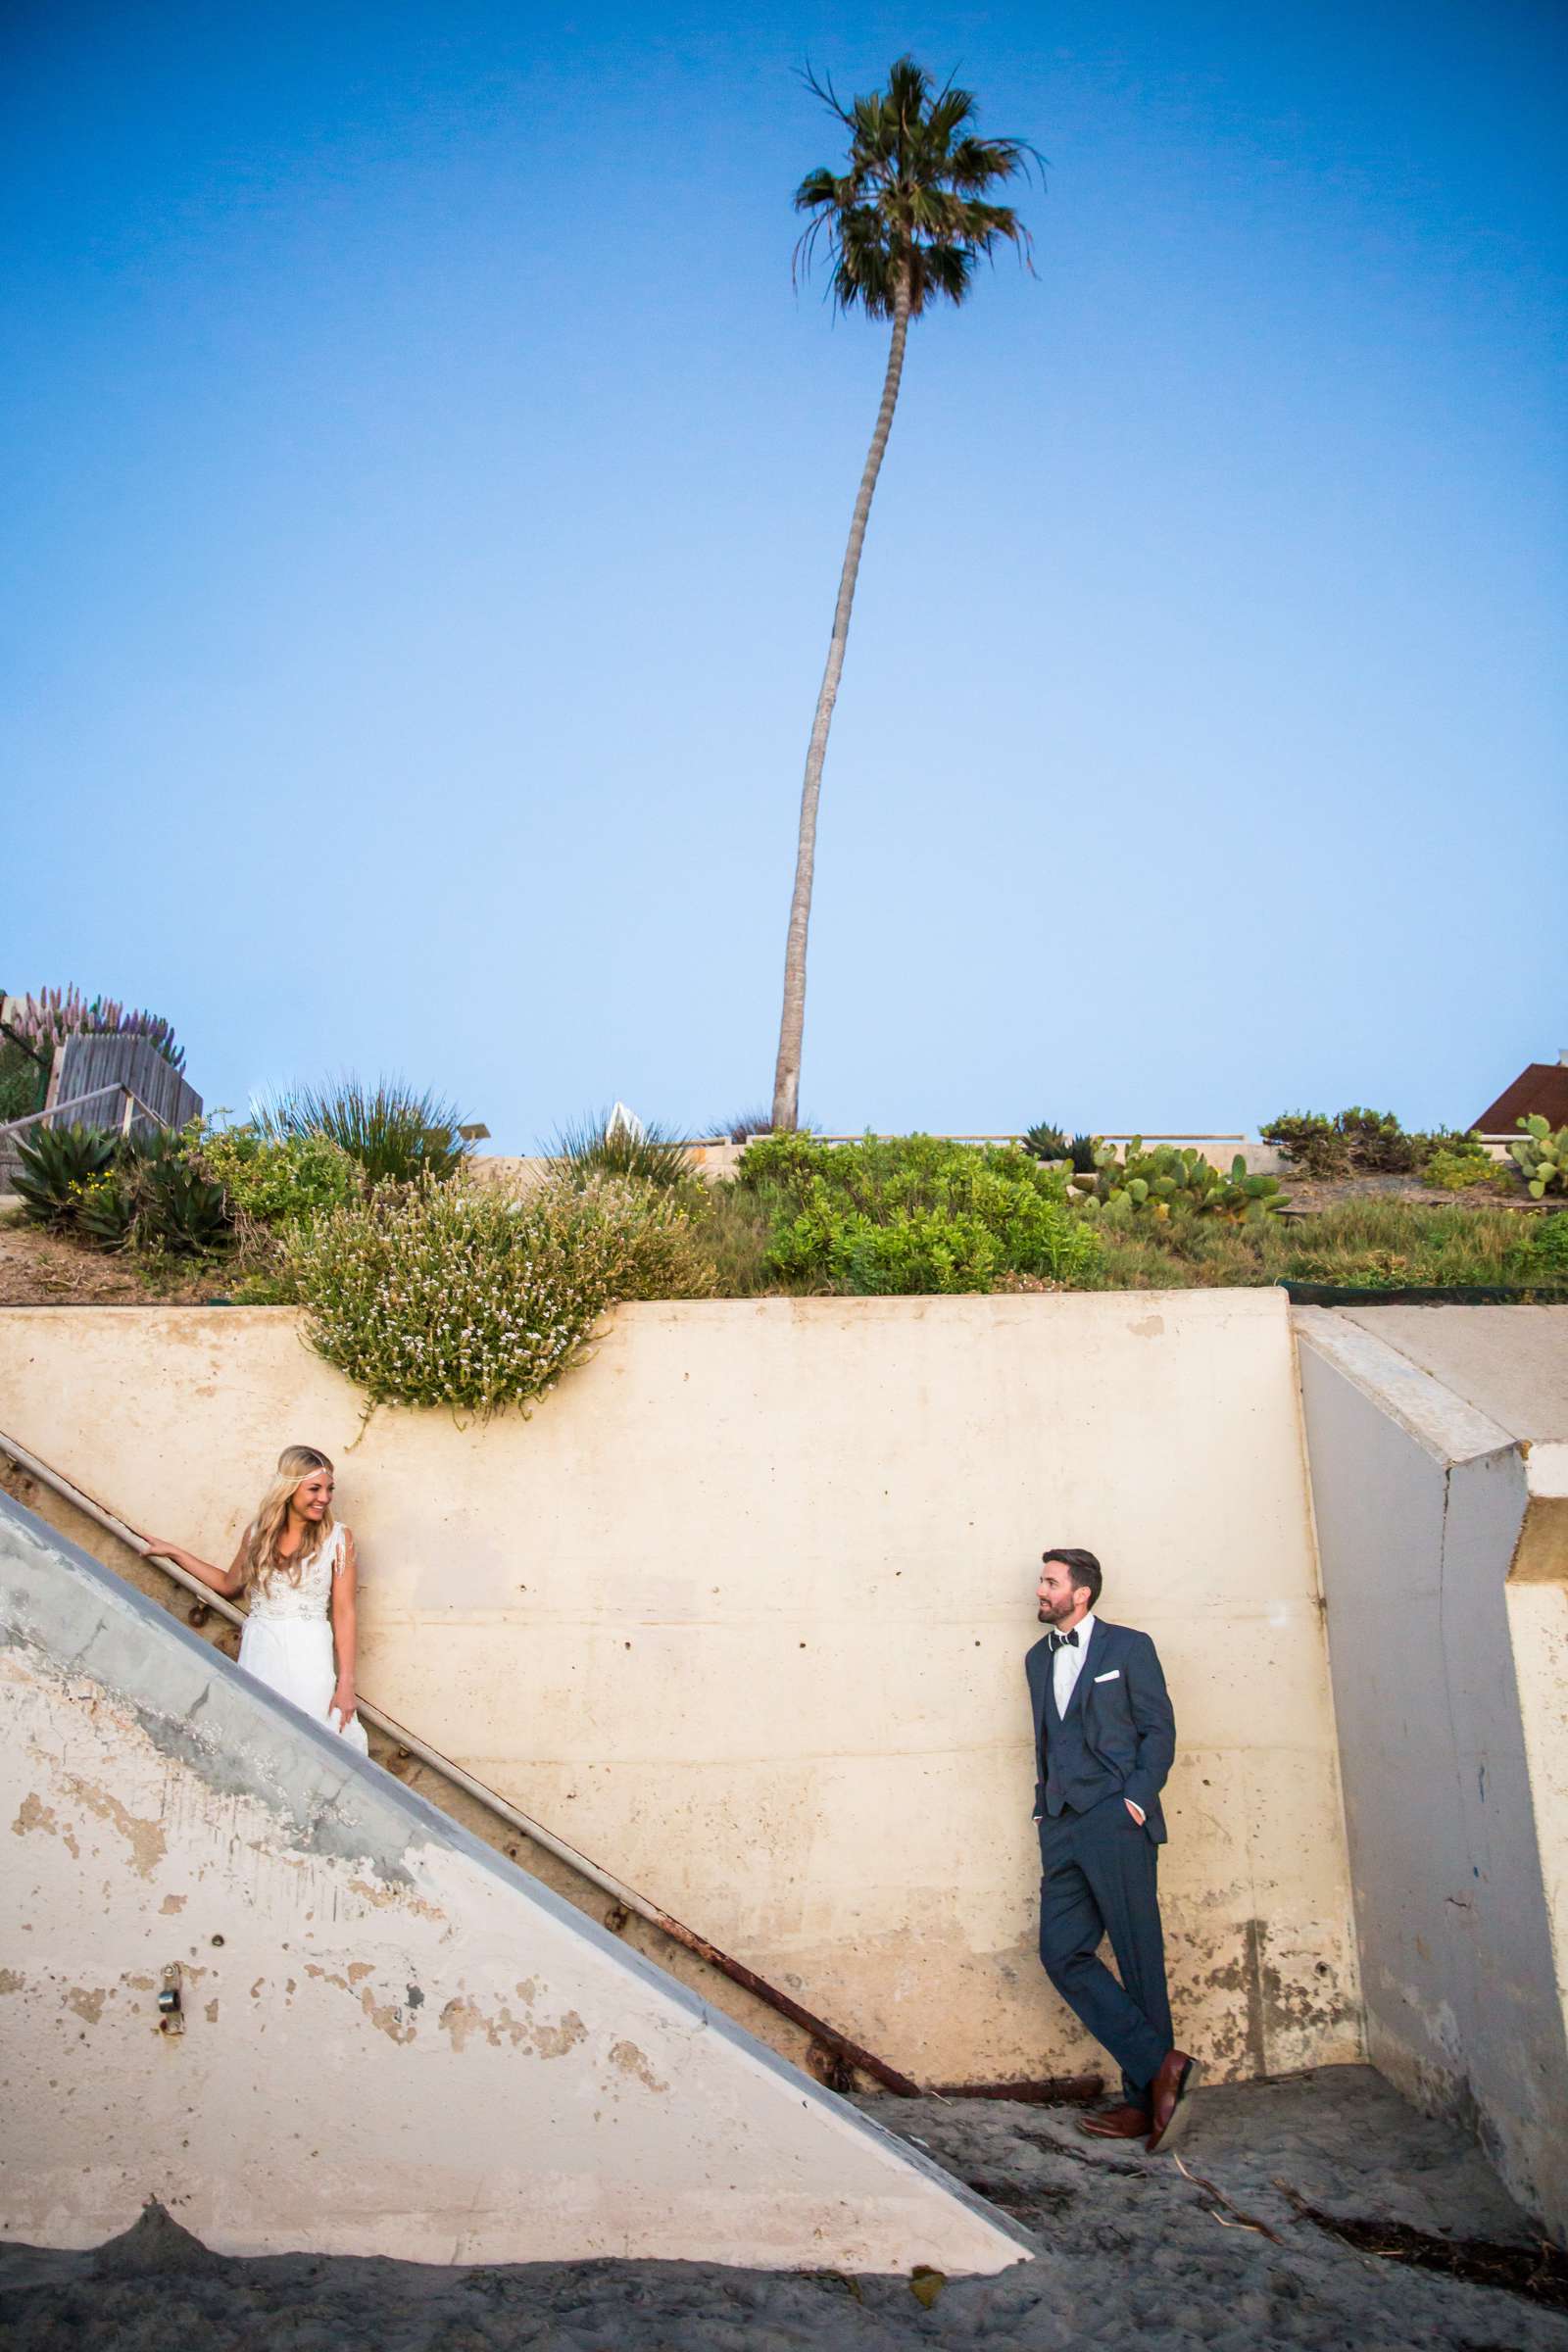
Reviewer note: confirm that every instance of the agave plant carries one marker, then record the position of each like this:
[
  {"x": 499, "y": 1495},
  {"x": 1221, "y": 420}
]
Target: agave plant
[
  {"x": 1046, "y": 1143},
  {"x": 177, "y": 1207},
  {"x": 55, "y": 1163},
  {"x": 106, "y": 1210}
]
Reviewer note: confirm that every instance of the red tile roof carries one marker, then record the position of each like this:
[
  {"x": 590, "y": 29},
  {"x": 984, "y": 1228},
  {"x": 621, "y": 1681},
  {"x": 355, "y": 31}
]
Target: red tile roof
[{"x": 1541, "y": 1088}]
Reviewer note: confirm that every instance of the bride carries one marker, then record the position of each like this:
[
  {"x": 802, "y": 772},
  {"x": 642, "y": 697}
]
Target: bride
[{"x": 298, "y": 1565}]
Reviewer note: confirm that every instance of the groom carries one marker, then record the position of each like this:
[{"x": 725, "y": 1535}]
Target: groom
[{"x": 1105, "y": 1739}]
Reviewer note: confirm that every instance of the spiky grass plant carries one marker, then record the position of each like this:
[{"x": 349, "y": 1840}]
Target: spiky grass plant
[
  {"x": 395, "y": 1133},
  {"x": 594, "y": 1147}
]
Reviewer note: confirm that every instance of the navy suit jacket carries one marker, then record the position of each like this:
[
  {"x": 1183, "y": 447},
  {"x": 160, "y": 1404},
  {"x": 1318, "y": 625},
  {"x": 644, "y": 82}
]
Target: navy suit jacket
[{"x": 1126, "y": 1717}]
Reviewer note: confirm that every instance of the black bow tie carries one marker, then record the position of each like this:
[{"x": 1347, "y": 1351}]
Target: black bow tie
[{"x": 1062, "y": 1640}]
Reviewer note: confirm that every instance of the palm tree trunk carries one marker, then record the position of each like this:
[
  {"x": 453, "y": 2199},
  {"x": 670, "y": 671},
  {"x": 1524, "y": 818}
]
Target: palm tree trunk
[{"x": 787, "y": 1075}]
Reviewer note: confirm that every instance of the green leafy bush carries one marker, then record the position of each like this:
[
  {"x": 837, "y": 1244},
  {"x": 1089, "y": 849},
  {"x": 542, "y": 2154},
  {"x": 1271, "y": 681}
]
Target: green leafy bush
[
  {"x": 1367, "y": 1143},
  {"x": 24, "y": 1081},
  {"x": 1549, "y": 1248},
  {"x": 1454, "y": 1170},
  {"x": 1310, "y": 1143},
  {"x": 1377, "y": 1141},
  {"x": 1540, "y": 1156},
  {"x": 458, "y": 1295},
  {"x": 277, "y": 1181},
  {"x": 394, "y": 1134},
  {"x": 913, "y": 1213}
]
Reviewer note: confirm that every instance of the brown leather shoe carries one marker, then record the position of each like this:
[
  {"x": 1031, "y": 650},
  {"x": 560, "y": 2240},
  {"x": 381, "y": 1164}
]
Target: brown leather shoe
[
  {"x": 1116, "y": 2122},
  {"x": 1177, "y": 2075}
]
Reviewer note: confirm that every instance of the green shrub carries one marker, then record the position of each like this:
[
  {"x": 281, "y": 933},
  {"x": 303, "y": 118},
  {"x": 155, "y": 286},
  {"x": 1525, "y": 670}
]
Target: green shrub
[
  {"x": 1362, "y": 1141},
  {"x": 912, "y": 1213},
  {"x": 1549, "y": 1248},
  {"x": 1454, "y": 1170},
  {"x": 23, "y": 1082},
  {"x": 277, "y": 1181},
  {"x": 1310, "y": 1143},
  {"x": 1377, "y": 1141},
  {"x": 394, "y": 1134},
  {"x": 1540, "y": 1156},
  {"x": 461, "y": 1296}
]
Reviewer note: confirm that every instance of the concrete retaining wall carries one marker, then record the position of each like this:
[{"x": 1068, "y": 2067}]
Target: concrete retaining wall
[
  {"x": 1450, "y": 1674},
  {"x": 741, "y": 1612},
  {"x": 393, "y": 2043}
]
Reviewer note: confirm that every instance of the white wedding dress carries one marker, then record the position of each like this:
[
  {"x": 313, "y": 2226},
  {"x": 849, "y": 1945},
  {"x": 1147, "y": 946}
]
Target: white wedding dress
[{"x": 287, "y": 1642}]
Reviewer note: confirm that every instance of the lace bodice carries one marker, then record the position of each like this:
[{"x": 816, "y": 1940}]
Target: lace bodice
[{"x": 277, "y": 1596}]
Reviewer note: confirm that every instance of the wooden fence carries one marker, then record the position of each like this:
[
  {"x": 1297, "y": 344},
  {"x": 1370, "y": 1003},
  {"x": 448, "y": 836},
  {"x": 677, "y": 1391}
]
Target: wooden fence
[{"x": 106, "y": 1081}]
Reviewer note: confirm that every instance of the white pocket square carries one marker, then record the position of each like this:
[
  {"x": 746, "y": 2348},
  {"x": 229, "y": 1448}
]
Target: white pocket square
[{"x": 1114, "y": 1675}]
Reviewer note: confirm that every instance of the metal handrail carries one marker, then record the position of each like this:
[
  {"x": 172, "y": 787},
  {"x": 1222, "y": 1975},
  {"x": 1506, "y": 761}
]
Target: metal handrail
[{"x": 57, "y": 1110}]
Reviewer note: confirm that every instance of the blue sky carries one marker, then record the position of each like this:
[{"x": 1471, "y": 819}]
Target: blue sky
[{"x": 425, "y": 498}]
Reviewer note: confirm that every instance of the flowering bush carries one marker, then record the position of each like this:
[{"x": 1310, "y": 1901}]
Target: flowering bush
[
  {"x": 456, "y": 1295},
  {"x": 279, "y": 1182},
  {"x": 46, "y": 1020}
]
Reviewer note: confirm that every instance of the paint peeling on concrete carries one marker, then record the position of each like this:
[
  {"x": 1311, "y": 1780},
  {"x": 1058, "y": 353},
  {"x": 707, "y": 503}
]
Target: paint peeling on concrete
[
  {"x": 33, "y": 1814},
  {"x": 632, "y": 2061},
  {"x": 88, "y": 2005},
  {"x": 145, "y": 1838},
  {"x": 12, "y": 1979},
  {"x": 463, "y": 2020}
]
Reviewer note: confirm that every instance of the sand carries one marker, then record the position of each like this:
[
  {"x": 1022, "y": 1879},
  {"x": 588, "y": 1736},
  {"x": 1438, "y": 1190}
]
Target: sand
[{"x": 1132, "y": 2253}]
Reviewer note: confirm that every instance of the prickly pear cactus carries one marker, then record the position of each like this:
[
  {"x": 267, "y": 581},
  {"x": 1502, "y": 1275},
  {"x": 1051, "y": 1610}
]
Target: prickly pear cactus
[
  {"x": 1165, "y": 1182},
  {"x": 1540, "y": 1156}
]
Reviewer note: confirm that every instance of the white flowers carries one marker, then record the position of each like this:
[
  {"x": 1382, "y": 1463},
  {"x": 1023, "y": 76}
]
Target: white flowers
[{"x": 432, "y": 1294}]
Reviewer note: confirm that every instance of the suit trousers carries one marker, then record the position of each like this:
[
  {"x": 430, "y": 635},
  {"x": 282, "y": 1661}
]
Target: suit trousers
[{"x": 1099, "y": 1878}]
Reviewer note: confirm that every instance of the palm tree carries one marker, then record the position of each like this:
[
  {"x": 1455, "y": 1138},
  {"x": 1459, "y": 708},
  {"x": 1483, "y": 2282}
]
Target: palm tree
[{"x": 904, "y": 227}]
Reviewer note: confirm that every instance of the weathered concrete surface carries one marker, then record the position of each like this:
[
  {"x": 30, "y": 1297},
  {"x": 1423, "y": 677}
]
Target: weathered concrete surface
[
  {"x": 1135, "y": 2255},
  {"x": 1448, "y": 1682},
  {"x": 393, "y": 2043},
  {"x": 741, "y": 1612},
  {"x": 1511, "y": 1362}
]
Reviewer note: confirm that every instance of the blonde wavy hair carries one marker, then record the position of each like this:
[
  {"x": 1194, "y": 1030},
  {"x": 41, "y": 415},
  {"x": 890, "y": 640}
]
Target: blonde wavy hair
[{"x": 295, "y": 1464}]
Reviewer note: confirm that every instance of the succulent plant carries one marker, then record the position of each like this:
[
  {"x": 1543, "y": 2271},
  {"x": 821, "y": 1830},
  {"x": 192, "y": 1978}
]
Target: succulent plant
[
  {"x": 1046, "y": 1143},
  {"x": 54, "y": 1164},
  {"x": 1540, "y": 1156},
  {"x": 1165, "y": 1180},
  {"x": 106, "y": 1210}
]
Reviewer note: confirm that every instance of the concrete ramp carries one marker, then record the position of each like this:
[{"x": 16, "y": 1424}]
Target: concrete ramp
[{"x": 391, "y": 2040}]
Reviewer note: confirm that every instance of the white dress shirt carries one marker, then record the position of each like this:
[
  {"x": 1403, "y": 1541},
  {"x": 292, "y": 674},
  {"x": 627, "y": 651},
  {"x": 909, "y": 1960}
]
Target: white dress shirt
[{"x": 1068, "y": 1663}]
